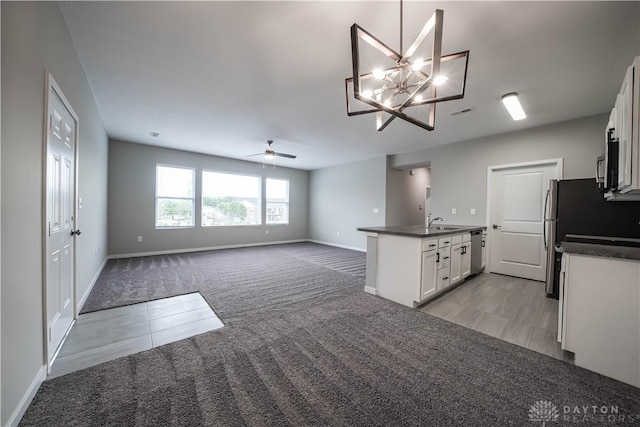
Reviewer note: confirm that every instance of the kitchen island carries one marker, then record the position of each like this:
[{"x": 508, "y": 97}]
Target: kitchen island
[{"x": 412, "y": 264}]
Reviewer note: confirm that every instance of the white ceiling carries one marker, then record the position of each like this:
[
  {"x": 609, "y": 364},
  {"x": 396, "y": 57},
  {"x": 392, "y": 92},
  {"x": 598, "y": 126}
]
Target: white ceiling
[{"x": 221, "y": 77}]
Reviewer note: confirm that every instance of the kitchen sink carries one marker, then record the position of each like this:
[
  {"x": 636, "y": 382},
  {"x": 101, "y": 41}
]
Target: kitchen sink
[{"x": 442, "y": 228}]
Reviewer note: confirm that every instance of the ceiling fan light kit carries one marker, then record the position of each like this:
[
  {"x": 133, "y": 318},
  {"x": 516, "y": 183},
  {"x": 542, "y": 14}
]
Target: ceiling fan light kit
[
  {"x": 270, "y": 154},
  {"x": 408, "y": 86}
]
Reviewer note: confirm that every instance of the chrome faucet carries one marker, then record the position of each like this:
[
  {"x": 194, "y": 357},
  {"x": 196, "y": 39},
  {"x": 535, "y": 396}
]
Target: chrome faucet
[{"x": 431, "y": 221}]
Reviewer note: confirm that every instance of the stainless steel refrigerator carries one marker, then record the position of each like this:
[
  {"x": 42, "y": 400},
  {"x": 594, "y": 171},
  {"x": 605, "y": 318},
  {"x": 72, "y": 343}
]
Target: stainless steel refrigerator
[{"x": 576, "y": 207}]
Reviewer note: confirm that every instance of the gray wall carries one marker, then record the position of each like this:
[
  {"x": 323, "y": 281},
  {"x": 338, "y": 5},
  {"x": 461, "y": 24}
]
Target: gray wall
[
  {"x": 35, "y": 39},
  {"x": 342, "y": 198},
  {"x": 406, "y": 195},
  {"x": 132, "y": 183},
  {"x": 459, "y": 171}
]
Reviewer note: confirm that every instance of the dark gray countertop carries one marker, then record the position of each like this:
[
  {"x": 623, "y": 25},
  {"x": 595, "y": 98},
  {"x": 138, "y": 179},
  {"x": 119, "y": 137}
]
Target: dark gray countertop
[
  {"x": 422, "y": 230},
  {"x": 607, "y": 251}
]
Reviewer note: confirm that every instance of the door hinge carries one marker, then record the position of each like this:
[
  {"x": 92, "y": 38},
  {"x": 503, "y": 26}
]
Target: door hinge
[
  {"x": 49, "y": 333},
  {"x": 49, "y": 228}
]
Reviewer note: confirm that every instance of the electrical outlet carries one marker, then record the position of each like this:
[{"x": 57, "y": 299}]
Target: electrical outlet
[
  {"x": 337, "y": 234},
  {"x": 473, "y": 211},
  {"x": 453, "y": 211},
  {"x": 266, "y": 231},
  {"x": 139, "y": 239},
  {"x": 376, "y": 210}
]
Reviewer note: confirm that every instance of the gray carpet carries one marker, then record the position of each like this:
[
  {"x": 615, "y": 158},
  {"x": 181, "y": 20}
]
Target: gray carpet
[{"x": 305, "y": 345}]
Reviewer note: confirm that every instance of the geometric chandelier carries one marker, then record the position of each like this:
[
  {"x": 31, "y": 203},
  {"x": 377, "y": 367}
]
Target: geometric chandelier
[{"x": 406, "y": 85}]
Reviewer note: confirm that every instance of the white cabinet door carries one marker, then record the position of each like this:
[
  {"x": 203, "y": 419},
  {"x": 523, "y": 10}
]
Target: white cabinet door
[
  {"x": 456, "y": 264},
  {"x": 466, "y": 259},
  {"x": 624, "y": 109},
  {"x": 429, "y": 272}
]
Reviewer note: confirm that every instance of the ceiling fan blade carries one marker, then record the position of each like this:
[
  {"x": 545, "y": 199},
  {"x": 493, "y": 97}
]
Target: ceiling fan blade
[
  {"x": 288, "y": 156},
  {"x": 257, "y": 154}
]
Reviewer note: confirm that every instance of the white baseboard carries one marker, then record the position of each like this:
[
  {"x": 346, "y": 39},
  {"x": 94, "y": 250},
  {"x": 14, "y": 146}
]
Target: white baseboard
[
  {"x": 210, "y": 248},
  {"x": 28, "y": 397},
  {"x": 93, "y": 282},
  {"x": 353, "y": 248},
  {"x": 370, "y": 290}
]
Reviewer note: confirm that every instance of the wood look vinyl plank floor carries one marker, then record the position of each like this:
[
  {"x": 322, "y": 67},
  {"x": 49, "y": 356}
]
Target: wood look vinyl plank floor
[
  {"x": 109, "y": 334},
  {"x": 509, "y": 308}
]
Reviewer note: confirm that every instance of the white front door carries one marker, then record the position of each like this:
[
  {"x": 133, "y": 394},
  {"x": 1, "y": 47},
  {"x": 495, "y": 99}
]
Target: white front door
[
  {"x": 60, "y": 212},
  {"x": 517, "y": 219}
]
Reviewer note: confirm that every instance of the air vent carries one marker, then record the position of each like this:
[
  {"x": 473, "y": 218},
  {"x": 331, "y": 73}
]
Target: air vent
[
  {"x": 466, "y": 110},
  {"x": 154, "y": 134}
]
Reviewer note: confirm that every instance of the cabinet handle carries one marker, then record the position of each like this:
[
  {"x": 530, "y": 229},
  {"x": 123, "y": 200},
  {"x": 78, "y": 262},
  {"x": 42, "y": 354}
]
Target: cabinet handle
[
  {"x": 446, "y": 243},
  {"x": 483, "y": 245},
  {"x": 437, "y": 256},
  {"x": 445, "y": 278},
  {"x": 432, "y": 245},
  {"x": 463, "y": 250},
  {"x": 445, "y": 257}
]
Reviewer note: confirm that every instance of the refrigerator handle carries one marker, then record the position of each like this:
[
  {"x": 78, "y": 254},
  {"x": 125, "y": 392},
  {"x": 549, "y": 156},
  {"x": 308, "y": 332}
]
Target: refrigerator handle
[{"x": 544, "y": 223}]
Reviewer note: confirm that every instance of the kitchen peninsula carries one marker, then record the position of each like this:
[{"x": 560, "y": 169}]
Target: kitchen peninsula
[{"x": 412, "y": 264}]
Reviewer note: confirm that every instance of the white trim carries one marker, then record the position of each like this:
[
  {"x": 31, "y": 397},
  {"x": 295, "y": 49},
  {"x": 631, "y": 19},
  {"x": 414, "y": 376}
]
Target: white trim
[
  {"x": 209, "y": 248},
  {"x": 370, "y": 290},
  {"x": 17, "y": 415},
  {"x": 559, "y": 162},
  {"x": 353, "y": 248},
  {"x": 90, "y": 288}
]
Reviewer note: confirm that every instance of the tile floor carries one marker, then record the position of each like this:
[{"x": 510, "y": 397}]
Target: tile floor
[
  {"x": 512, "y": 309},
  {"x": 108, "y": 334}
]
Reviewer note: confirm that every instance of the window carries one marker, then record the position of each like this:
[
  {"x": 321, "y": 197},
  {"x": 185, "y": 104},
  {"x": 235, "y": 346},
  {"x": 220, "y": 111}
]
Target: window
[
  {"x": 174, "y": 196},
  {"x": 230, "y": 199},
  {"x": 277, "y": 201}
]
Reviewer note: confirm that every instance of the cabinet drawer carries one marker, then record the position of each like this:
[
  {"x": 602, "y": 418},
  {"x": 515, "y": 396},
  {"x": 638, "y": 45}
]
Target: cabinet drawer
[
  {"x": 444, "y": 242},
  {"x": 429, "y": 245},
  {"x": 466, "y": 237},
  {"x": 443, "y": 280},
  {"x": 456, "y": 240}
]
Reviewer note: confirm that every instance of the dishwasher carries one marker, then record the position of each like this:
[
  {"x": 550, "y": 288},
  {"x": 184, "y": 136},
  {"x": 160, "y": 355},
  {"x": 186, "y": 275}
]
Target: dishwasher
[{"x": 476, "y": 252}]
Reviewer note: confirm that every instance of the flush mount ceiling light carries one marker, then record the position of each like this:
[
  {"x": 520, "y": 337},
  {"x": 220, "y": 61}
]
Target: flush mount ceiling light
[
  {"x": 512, "y": 104},
  {"x": 404, "y": 85}
]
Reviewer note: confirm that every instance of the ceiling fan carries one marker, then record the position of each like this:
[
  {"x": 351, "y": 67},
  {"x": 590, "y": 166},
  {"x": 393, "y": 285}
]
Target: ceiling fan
[{"x": 270, "y": 154}]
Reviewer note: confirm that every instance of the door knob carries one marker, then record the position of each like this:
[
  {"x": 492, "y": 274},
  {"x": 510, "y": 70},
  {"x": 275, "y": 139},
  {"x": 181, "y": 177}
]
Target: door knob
[
  {"x": 76, "y": 232},
  {"x": 496, "y": 226}
]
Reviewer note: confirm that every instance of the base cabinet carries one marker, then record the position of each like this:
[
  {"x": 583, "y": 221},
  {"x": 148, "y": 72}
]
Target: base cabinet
[
  {"x": 599, "y": 314},
  {"x": 411, "y": 270}
]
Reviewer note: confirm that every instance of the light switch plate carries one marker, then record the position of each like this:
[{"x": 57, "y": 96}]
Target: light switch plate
[
  {"x": 453, "y": 211},
  {"x": 376, "y": 210},
  {"x": 473, "y": 211}
]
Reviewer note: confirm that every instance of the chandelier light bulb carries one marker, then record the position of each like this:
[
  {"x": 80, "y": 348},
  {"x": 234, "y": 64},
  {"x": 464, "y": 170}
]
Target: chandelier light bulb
[
  {"x": 269, "y": 155},
  {"x": 417, "y": 98},
  {"x": 379, "y": 74},
  {"x": 417, "y": 64},
  {"x": 367, "y": 93},
  {"x": 387, "y": 102}
]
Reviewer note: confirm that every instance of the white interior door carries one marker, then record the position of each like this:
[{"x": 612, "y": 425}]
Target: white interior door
[
  {"x": 60, "y": 218},
  {"x": 517, "y": 219}
]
